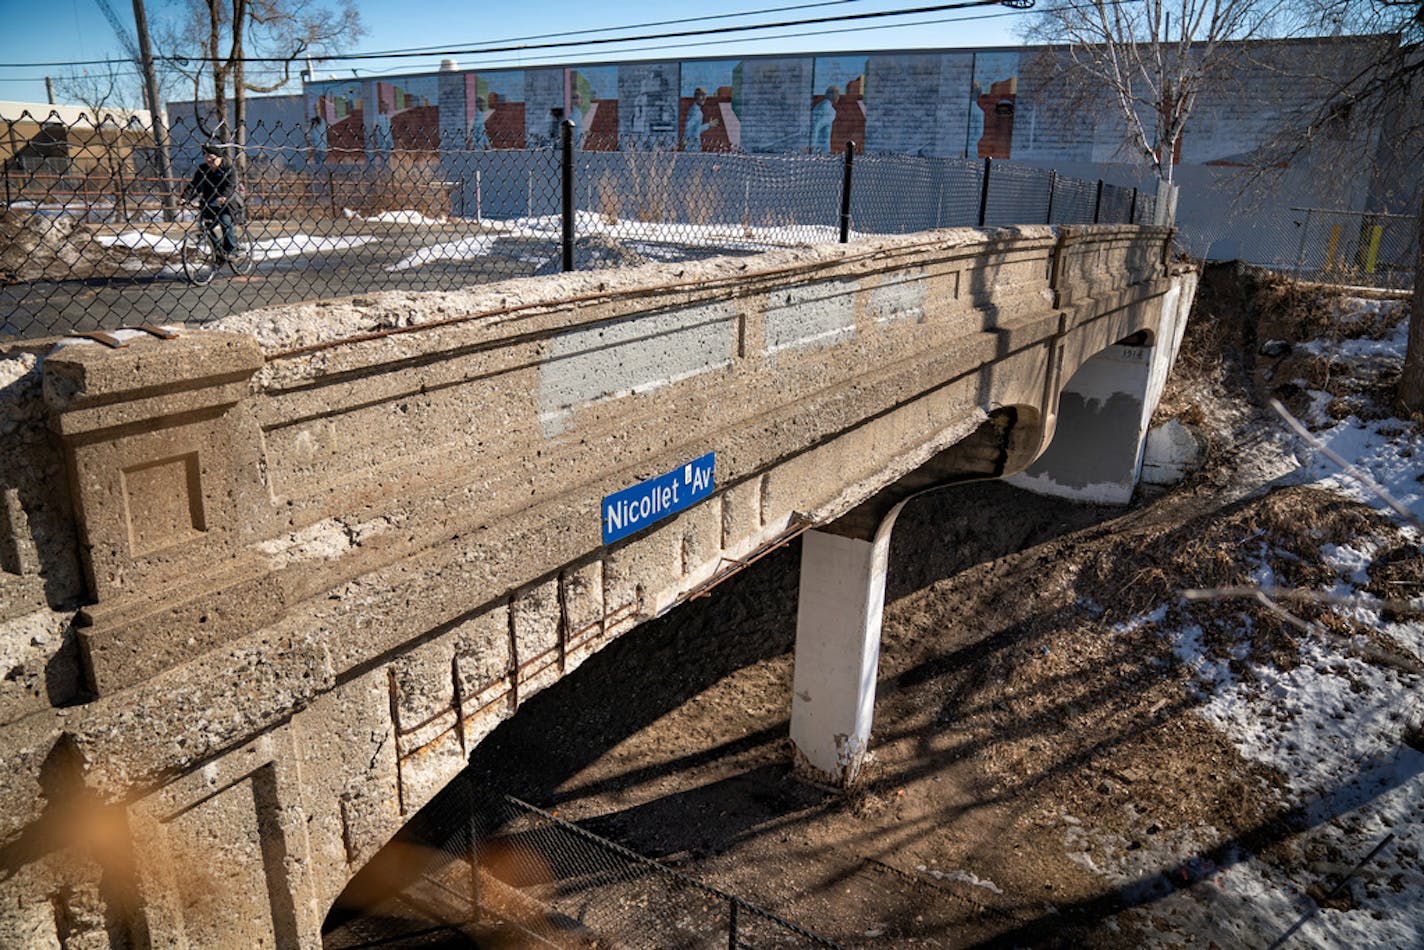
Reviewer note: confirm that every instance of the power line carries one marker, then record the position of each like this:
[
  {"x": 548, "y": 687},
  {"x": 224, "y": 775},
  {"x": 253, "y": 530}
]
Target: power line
[
  {"x": 676, "y": 34},
  {"x": 664, "y": 46},
  {"x": 745, "y": 39},
  {"x": 435, "y": 50}
]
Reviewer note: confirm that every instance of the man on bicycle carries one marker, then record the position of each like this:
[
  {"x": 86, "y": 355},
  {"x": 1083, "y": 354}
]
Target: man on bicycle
[{"x": 214, "y": 184}]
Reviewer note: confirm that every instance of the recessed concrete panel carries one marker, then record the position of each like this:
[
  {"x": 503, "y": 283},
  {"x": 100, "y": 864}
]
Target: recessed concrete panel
[
  {"x": 812, "y": 315},
  {"x": 626, "y": 356},
  {"x": 899, "y": 299},
  {"x": 163, "y": 502}
]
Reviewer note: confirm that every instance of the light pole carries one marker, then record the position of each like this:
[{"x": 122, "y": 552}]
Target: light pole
[{"x": 155, "y": 113}]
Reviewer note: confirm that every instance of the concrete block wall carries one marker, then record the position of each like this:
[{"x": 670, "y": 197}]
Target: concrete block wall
[{"x": 917, "y": 103}]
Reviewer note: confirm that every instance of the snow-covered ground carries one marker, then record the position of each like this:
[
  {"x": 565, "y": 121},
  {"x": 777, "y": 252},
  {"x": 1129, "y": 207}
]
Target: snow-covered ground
[
  {"x": 1335, "y": 725},
  {"x": 462, "y": 250},
  {"x": 290, "y": 245},
  {"x": 730, "y": 236},
  {"x": 1391, "y": 452},
  {"x": 294, "y": 245},
  {"x": 393, "y": 217},
  {"x": 656, "y": 240}
]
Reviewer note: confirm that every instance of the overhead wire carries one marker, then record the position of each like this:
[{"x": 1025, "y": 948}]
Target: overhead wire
[
  {"x": 666, "y": 46},
  {"x": 761, "y": 39},
  {"x": 520, "y": 48},
  {"x": 435, "y": 50}
]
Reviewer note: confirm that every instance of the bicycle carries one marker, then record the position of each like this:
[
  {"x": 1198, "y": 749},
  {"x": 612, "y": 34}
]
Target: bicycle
[{"x": 202, "y": 251}]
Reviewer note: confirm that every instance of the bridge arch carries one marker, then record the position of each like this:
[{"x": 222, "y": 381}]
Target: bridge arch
[{"x": 1086, "y": 444}]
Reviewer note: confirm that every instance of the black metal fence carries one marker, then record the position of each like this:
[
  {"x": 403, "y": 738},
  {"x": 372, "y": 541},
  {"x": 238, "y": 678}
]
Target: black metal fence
[
  {"x": 516, "y": 875},
  {"x": 91, "y": 237}
]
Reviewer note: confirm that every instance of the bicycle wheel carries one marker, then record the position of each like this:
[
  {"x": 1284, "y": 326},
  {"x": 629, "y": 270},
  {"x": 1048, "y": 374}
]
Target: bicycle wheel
[
  {"x": 198, "y": 258},
  {"x": 241, "y": 260}
]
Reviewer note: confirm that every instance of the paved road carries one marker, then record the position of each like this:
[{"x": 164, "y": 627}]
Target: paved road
[
  {"x": 314, "y": 269},
  {"x": 41, "y": 308}
]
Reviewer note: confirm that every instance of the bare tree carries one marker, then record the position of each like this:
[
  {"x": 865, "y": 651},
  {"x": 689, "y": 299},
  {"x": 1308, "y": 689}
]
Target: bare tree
[
  {"x": 1385, "y": 95},
  {"x": 247, "y": 46},
  {"x": 98, "y": 92},
  {"x": 1389, "y": 92},
  {"x": 102, "y": 139},
  {"x": 1153, "y": 59}
]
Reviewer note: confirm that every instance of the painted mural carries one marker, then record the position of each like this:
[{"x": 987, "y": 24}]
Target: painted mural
[
  {"x": 695, "y": 106},
  {"x": 546, "y": 96},
  {"x": 591, "y": 101},
  {"x": 338, "y": 120},
  {"x": 649, "y": 94},
  {"x": 838, "y": 103},
  {"x": 764, "y": 104},
  {"x": 494, "y": 109},
  {"x": 710, "y": 106},
  {"x": 407, "y": 115},
  {"x": 992, "y": 102}
]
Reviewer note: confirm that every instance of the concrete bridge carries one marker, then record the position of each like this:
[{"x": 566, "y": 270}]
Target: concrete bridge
[{"x": 262, "y": 598}]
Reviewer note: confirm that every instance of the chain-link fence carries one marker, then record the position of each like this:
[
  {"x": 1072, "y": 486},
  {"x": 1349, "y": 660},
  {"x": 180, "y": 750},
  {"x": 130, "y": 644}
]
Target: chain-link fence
[
  {"x": 1377, "y": 250},
  {"x": 516, "y": 875},
  {"x": 92, "y": 236},
  {"x": 1358, "y": 248}
]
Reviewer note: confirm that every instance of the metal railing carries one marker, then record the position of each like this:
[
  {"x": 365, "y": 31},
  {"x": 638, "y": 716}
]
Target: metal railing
[{"x": 89, "y": 239}]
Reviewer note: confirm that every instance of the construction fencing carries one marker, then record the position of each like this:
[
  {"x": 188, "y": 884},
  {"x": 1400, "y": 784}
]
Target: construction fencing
[
  {"x": 512, "y": 874},
  {"x": 92, "y": 237}
]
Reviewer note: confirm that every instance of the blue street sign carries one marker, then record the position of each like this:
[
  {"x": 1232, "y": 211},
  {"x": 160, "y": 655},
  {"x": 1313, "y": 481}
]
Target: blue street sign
[{"x": 636, "y": 507}]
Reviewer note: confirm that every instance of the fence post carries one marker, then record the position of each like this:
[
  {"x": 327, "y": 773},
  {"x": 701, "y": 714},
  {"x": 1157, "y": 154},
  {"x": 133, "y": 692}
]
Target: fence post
[
  {"x": 1132, "y": 209},
  {"x": 732, "y": 927},
  {"x": 984, "y": 193},
  {"x": 331, "y": 193},
  {"x": 462, "y": 197},
  {"x": 121, "y": 199},
  {"x": 474, "y": 857},
  {"x": 1098, "y": 201},
  {"x": 845, "y": 192},
  {"x": 566, "y": 128},
  {"x": 479, "y": 198},
  {"x": 1052, "y": 184},
  {"x": 1300, "y": 254}
]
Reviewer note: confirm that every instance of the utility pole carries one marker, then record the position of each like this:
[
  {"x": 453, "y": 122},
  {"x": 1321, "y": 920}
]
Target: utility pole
[
  {"x": 49, "y": 89},
  {"x": 156, "y": 114}
]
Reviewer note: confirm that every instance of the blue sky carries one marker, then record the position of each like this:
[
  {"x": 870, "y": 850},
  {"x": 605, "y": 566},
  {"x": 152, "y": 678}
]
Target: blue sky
[{"x": 67, "y": 30}]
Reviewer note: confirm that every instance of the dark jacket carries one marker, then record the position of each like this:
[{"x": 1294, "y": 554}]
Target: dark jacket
[{"x": 210, "y": 183}]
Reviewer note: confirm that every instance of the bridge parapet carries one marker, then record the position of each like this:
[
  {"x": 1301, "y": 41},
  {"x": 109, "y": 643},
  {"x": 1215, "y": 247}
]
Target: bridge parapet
[{"x": 206, "y": 506}]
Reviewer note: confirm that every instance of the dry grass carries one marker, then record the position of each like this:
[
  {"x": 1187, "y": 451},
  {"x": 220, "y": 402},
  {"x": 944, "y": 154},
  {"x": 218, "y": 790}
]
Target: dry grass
[
  {"x": 407, "y": 182},
  {"x": 648, "y": 186}
]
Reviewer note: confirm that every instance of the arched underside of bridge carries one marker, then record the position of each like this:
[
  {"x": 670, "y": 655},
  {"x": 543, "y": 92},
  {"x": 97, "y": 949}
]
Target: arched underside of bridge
[
  {"x": 318, "y": 575},
  {"x": 1095, "y": 454}
]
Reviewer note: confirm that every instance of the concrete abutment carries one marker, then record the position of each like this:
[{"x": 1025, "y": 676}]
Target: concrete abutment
[{"x": 1095, "y": 455}]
